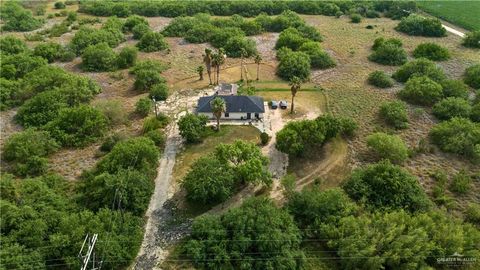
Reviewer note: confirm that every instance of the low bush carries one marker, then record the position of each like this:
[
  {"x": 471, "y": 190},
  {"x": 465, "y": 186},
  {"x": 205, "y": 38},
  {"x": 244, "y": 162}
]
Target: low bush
[
  {"x": 452, "y": 107},
  {"x": 458, "y": 135},
  {"x": 146, "y": 79},
  {"x": 110, "y": 142},
  {"x": 127, "y": 57},
  {"x": 473, "y": 213},
  {"x": 390, "y": 147},
  {"x": 461, "y": 183},
  {"x": 419, "y": 67},
  {"x": 8, "y": 93},
  {"x": 290, "y": 38},
  {"x": 472, "y": 76},
  {"x": 133, "y": 21},
  {"x": 318, "y": 57},
  {"x": 152, "y": 42},
  {"x": 378, "y": 78},
  {"x": 159, "y": 92},
  {"x": 475, "y": 113},
  {"x": 157, "y": 137},
  {"x": 59, "y": 5},
  {"x": 99, "y": 57},
  {"x": 50, "y": 51},
  {"x": 87, "y": 36},
  {"x": 355, "y": 18},
  {"x": 220, "y": 37},
  {"x": 113, "y": 110},
  {"x": 431, "y": 51},
  {"x": 192, "y": 127},
  {"x": 18, "y": 65},
  {"x": 395, "y": 114},
  {"x": 143, "y": 106},
  {"x": 454, "y": 88},
  {"x": 472, "y": 39},
  {"x": 388, "y": 54},
  {"x": 154, "y": 123},
  {"x": 77, "y": 126},
  {"x": 422, "y": 91},
  {"x": 378, "y": 42},
  {"x": 12, "y": 45},
  {"x": 416, "y": 25},
  {"x": 17, "y": 18},
  {"x": 139, "y": 30},
  {"x": 200, "y": 33},
  {"x": 264, "y": 138},
  {"x": 153, "y": 65}
]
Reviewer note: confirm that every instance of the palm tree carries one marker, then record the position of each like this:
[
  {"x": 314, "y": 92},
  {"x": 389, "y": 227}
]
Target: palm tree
[
  {"x": 295, "y": 84},
  {"x": 218, "y": 60},
  {"x": 207, "y": 59},
  {"x": 200, "y": 72},
  {"x": 218, "y": 107},
  {"x": 258, "y": 60},
  {"x": 243, "y": 54}
]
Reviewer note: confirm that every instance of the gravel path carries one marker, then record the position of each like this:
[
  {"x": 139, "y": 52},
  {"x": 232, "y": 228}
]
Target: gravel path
[{"x": 454, "y": 31}]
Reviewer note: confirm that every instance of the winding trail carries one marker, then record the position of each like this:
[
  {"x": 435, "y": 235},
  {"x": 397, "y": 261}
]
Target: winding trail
[{"x": 453, "y": 31}]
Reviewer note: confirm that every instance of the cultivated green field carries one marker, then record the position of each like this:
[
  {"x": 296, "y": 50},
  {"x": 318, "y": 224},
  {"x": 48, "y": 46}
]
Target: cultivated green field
[{"x": 461, "y": 13}]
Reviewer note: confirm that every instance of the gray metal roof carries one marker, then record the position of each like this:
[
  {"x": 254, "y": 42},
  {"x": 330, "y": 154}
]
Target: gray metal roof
[{"x": 249, "y": 104}]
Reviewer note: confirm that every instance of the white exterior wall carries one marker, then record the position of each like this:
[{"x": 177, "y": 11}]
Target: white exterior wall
[{"x": 232, "y": 116}]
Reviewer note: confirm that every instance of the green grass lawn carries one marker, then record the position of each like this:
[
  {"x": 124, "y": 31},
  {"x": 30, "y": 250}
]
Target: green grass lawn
[{"x": 462, "y": 13}]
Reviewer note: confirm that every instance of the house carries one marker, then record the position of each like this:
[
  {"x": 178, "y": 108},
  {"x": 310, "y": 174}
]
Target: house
[
  {"x": 237, "y": 107},
  {"x": 226, "y": 89}
]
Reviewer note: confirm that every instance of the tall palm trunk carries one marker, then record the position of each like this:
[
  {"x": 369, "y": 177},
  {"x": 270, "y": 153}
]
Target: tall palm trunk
[
  {"x": 209, "y": 72},
  {"x": 293, "y": 104},
  {"x": 258, "y": 69},
  {"x": 218, "y": 73},
  {"x": 241, "y": 69}
]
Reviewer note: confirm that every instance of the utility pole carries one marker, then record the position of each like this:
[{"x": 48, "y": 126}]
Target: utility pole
[
  {"x": 155, "y": 106},
  {"x": 85, "y": 259}
]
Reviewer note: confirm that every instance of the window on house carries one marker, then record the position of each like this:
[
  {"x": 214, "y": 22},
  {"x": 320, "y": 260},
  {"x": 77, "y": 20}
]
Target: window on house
[{"x": 227, "y": 114}]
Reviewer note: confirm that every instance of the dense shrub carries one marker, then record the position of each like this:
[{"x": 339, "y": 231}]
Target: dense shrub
[
  {"x": 12, "y": 45},
  {"x": 452, "y": 107},
  {"x": 395, "y": 114},
  {"x": 419, "y": 67},
  {"x": 157, "y": 137},
  {"x": 310, "y": 32},
  {"x": 18, "y": 65},
  {"x": 8, "y": 94},
  {"x": 200, "y": 33},
  {"x": 473, "y": 213},
  {"x": 113, "y": 110},
  {"x": 475, "y": 113},
  {"x": 16, "y": 18},
  {"x": 454, "y": 88},
  {"x": 378, "y": 42},
  {"x": 235, "y": 45},
  {"x": 264, "y": 138},
  {"x": 389, "y": 54},
  {"x": 220, "y": 37},
  {"x": 40, "y": 109},
  {"x": 294, "y": 64},
  {"x": 111, "y": 141},
  {"x": 355, "y": 18},
  {"x": 152, "y": 42},
  {"x": 318, "y": 57},
  {"x": 49, "y": 50},
  {"x": 146, "y": 79},
  {"x": 416, "y": 25},
  {"x": 254, "y": 221},
  {"x": 139, "y": 30},
  {"x": 192, "y": 127},
  {"x": 461, "y": 183},
  {"x": 133, "y": 21},
  {"x": 251, "y": 28},
  {"x": 472, "y": 76},
  {"x": 99, "y": 57},
  {"x": 143, "y": 106},
  {"x": 179, "y": 26},
  {"x": 385, "y": 146},
  {"x": 458, "y": 135},
  {"x": 153, "y": 65},
  {"x": 472, "y": 39},
  {"x": 28, "y": 149},
  {"x": 431, "y": 51},
  {"x": 378, "y": 78},
  {"x": 422, "y": 91},
  {"x": 127, "y": 57},
  {"x": 138, "y": 153},
  {"x": 77, "y": 126},
  {"x": 59, "y": 5},
  {"x": 387, "y": 186},
  {"x": 290, "y": 38},
  {"x": 87, "y": 36},
  {"x": 159, "y": 92}
]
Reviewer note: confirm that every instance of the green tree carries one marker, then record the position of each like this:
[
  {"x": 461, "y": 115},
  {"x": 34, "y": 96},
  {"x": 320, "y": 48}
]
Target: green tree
[
  {"x": 452, "y": 107},
  {"x": 87, "y": 36},
  {"x": 200, "y": 72},
  {"x": 41, "y": 109},
  {"x": 133, "y": 21},
  {"x": 18, "y": 65},
  {"x": 192, "y": 127},
  {"x": 17, "y": 18},
  {"x": 144, "y": 106},
  {"x": 146, "y": 79},
  {"x": 294, "y": 64},
  {"x": 218, "y": 107},
  {"x": 77, "y": 126},
  {"x": 454, "y": 88},
  {"x": 389, "y": 147},
  {"x": 290, "y": 38},
  {"x": 139, "y": 30},
  {"x": 152, "y": 42},
  {"x": 395, "y": 114},
  {"x": 209, "y": 181},
  {"x": 237, "y": 44},
  {"x": 214, "y": 242},
  {"x": 422, "y": 91},
  {"x": 258, "y": 61},
  {"x": 355, "y": 18},
  {"x": 383, "y": 185},
  {"x": 416, "y": 25},
  {"x": 49, "y": 50},
  {"x": 389, "y": 54},
  {"x": 99, "y": 57},
  {"x": 472, "y": 39},
  {"x": 8, "y": 93}
]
